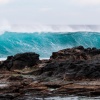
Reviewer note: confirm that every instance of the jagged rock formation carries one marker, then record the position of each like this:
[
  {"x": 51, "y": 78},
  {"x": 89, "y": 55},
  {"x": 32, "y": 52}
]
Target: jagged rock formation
[
  {"x": 73, "y": 63},
  {"x": 73, "y": 71},
  {"x": 76, "y": 53}
]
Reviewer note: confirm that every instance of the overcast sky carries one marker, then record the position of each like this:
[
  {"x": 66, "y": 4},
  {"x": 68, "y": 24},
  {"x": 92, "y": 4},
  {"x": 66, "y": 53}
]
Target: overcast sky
[{"x": 50, "y": 12}]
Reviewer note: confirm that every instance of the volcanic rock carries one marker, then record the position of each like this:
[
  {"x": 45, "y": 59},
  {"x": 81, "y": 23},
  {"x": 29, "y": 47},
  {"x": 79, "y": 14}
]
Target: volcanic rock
[
  {"x": 73, "y": 63},
  {"x": 76, "y": 53},
  {"x": 72, "y": 71},
  {"x": 20, "y": 61}
]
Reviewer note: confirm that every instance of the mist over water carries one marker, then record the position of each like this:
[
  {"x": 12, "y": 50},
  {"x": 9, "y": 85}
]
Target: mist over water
[{"x": 5, "y": 26}]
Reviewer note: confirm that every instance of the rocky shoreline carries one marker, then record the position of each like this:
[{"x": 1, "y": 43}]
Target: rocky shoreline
[{"x": 72, "y": 71}]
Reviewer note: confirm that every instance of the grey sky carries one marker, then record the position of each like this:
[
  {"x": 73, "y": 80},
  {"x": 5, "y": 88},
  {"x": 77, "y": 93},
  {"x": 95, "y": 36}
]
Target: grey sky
[{"x": 50, "y": 12}]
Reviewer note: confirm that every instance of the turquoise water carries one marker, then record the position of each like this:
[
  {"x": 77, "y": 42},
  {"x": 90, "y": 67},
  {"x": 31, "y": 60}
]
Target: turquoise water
[{"x": 45, "y": 43}]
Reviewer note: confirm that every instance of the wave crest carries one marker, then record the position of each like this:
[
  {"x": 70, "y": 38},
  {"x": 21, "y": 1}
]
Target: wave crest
[{"x": 45, "y": 43}]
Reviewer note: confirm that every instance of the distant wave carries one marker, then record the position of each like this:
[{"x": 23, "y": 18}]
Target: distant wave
[
  {"x": 48, "y": 28},
  {"x": 46, "y": 42}
]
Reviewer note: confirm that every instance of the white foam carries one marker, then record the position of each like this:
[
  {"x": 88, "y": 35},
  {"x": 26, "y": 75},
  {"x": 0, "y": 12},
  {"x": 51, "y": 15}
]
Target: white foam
[
  {"x": 44, "y": 58},
  {"x": 2, "y": 59}
]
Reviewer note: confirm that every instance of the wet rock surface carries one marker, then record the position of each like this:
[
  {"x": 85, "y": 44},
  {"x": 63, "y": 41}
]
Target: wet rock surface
[{"x": 73, "y": 71}]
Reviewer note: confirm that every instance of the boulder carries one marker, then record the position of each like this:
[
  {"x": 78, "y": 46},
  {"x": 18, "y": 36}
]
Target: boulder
[
  {"x": 71, "y": 70},
  {"x": 21, "y": 60},
  {"x": 76, "y": 53},
  {"x": 73, "y": 63}
]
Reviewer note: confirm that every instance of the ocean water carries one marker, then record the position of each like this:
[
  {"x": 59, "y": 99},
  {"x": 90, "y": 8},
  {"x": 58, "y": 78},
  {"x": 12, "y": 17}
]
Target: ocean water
[{"x": 48, "y": 39}]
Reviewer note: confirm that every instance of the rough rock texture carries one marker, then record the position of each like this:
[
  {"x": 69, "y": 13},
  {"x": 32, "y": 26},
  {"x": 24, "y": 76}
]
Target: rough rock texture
[
  {"x": 20, "y": 61},
  {"x": 75, "y": 63},
  {"x": 76, "y": 53},
  {"x": 73, "y": 71}
]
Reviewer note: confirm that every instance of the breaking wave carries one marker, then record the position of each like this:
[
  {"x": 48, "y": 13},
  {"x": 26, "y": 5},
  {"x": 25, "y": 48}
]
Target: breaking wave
[{"x": 45, "y": 43}]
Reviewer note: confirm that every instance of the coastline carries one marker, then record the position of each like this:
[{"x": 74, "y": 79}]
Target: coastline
[
  {"x": 72, "y": 71},
  {"x": 2, "y": 59}
]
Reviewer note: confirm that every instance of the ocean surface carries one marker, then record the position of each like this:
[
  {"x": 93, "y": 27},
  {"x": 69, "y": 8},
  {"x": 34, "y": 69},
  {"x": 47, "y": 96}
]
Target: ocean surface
[{"x": 47, "y": 39}]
